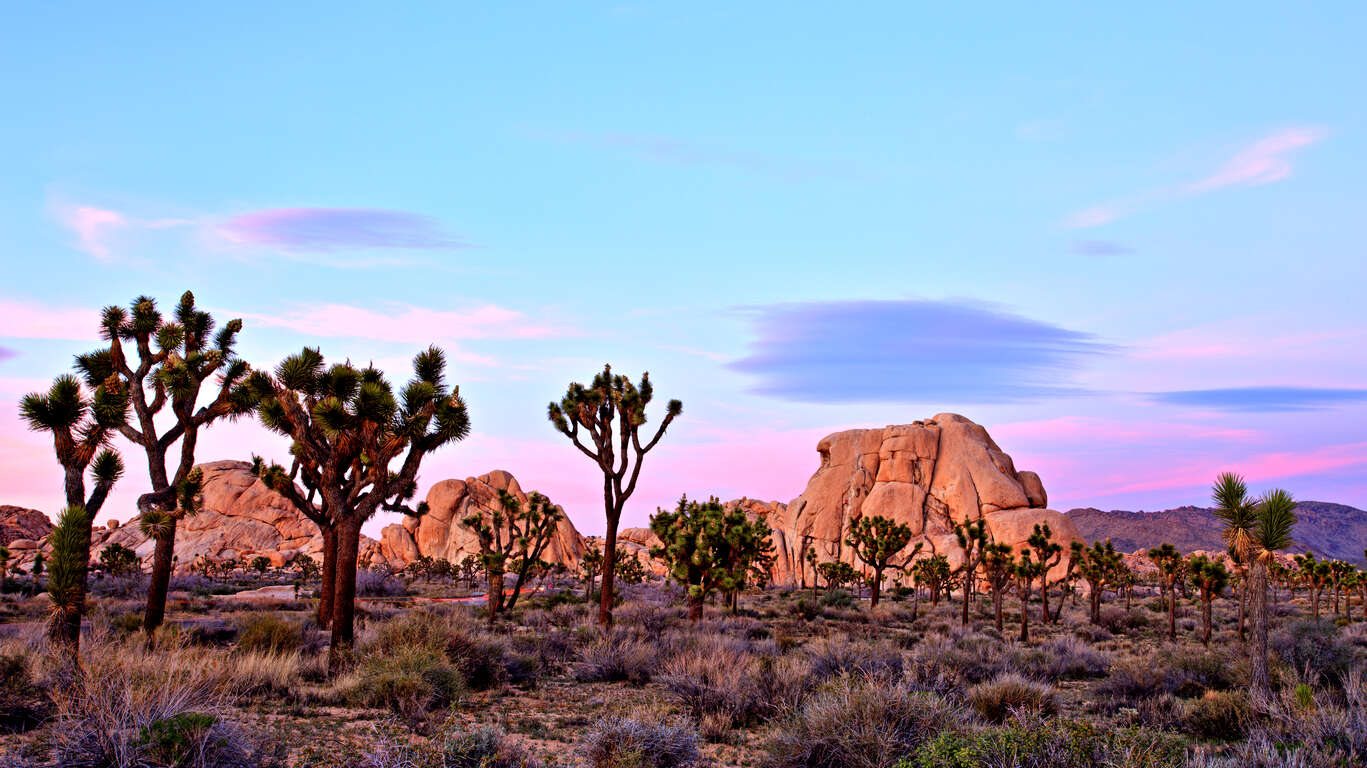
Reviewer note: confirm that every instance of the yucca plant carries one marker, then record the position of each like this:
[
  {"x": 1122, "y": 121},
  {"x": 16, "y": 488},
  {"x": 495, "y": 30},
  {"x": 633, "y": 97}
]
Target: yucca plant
[
  {"x": 1026, "y": 570},
  {"x": 998, "y": 570},
  {"x": 1274, "y": 520},
  {"x": 163, "y": 374},
  {"x": 81, "y": 426},
  {"x": 604, "y": 421},
  {"x": 1171, "y": 568},
  {"x": 1234, "y": 508},
  {"x": 876, "y": 541},
  {"x": 971, "y": 536},
  {"x": 1209, "y": 577},
  {"x": 348, "y": 430},
  {"x": 66, "y": 574},
  {"x": 1048, "y": 553}
]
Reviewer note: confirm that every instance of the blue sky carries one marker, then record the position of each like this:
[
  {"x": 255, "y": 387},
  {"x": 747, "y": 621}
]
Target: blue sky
[{"x": 1129, "y": 243}]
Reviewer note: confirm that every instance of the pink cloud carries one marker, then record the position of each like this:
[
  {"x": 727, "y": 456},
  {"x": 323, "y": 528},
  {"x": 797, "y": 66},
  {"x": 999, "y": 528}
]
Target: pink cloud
[
  {"x": 1262, "y": 162},
  {"x": 92, "y": 226},
  {"x": 30, "y": 320},
  {"x": 407, "y": 323},
  {"x": 1074, "y": 429},
  {"x": 1258, "y": 468}
]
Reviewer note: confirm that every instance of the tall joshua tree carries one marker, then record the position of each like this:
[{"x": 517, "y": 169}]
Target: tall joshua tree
[
  {"x": 349, "y": 429},
  {"x": 1047, "y": 554},
  {"x": 1275, "y": 517},
  {"x": 876, "y": 540},
  {"x": 998, "y": 571},
  {"x": 512, "y": 533},
  {"x": 1099, "y": 566},
  {"x": 81, "y": 427},
  {"x": 165, "y": 370},
  {"x": 604, "y": 422},
  {"x": 1170, "y": 568},
  {"x": 1026, "y": 570},
  {"x": 1209, "y": 577},
  {"x": 972, "y": 538},
  {"x": 313, "y": 506},
  {"x": 1234, "y": 509}
]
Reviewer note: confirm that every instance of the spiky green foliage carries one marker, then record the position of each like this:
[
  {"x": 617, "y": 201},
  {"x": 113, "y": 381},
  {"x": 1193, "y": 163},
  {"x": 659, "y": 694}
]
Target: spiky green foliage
[
  {"x": 707, "y": 548},
  {"x": 70, "y": 542},
  {"x": 515, "y": 533},
  {"x": 589, "y": 565},
  {"x": 1049, "y": 553},
  {"x": 877, "y": 541},
  {"x": 837, "y": 574},
  {"x": 1209, "y": 577},
  {"x": 998, "y": 570},
  {"x": 934, "y": 573},
  {"x": 1171, "y": 568},
  {"x": 348, "y": 430},
  {"x": 118, "y": 560},
  {"x": 972, "y": 536},
  {"x": 1027, "y": 569},
  {"x": 1101, "y": 567},
  {"x": 604, "y": 421}
]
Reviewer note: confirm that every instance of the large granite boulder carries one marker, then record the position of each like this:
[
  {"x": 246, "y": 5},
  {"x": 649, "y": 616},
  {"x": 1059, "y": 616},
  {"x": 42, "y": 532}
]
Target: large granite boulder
[{"x": 927, "y": 474}]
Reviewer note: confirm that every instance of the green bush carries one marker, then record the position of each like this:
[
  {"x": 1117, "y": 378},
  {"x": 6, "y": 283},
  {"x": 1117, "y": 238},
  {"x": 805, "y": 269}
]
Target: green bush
[
  {"x": 1219, "y": 715},
  {"x": 1315, "y": 649},
  {"x": 1009, "y": 695},
  {"x": 837, "y": 598},
  {"x": 268, "y": 633},
  {"x": 1033, "y": 743},
  {"x": 178, "y": 740},
  {"x": 408, "y": 682}
]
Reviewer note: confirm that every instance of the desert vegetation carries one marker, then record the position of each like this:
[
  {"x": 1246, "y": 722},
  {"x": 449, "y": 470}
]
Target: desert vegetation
[{"x": 1247, "y": 657}]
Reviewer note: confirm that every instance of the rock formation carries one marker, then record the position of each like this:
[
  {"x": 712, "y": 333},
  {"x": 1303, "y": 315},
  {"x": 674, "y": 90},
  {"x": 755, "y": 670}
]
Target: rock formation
[
  {"x": 928, "y": 475},
  {"x": 22, "y": 532},
  {"x": 439, "y": 534}
]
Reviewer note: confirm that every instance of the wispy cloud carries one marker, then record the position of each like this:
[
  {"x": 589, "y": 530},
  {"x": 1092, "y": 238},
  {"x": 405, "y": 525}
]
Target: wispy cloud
[
  {"x": 331, "y": 229},
  {"x": 1265, "y": 161},
  {"x": 410, "y": 324},
  {"x": 92, "y": 227},
  {"x": 31, "y": 320},
  {"x": 1258, "y": 468},
  {"x": 910, "y": 351},
  {"x": 1101, "y": 248},
  {"x": 1262, "y": 399},
  {"x": 6, "y": 354},
  {"x": 669, "y": 149}
]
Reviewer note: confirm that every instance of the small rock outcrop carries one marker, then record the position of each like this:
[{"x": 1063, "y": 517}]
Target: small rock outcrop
[{"x": 439, "y": 533}]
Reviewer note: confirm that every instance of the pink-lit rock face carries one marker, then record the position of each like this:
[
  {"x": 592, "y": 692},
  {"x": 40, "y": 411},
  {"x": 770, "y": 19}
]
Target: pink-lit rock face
[{"x": 928, "y": 475}]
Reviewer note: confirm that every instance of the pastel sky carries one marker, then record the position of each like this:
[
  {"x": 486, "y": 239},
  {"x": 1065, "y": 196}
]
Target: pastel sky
[{"x": 1129, "y": 241}]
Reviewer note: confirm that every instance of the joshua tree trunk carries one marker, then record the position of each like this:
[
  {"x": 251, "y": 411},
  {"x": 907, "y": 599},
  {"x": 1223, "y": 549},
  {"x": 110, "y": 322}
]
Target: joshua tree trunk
[
  {"x": 610, "y": 560},
  {"x": 1172, "y": 614},
  {"x": 1205, "y": 619},
  {"x": 1025, "y": 614},
  {"x": 344, "y": 596},
  {"x": 875, "y": 587},
  {"x": 327, "y": 587},
  {"x": 1260, "y": 681},
  {"x": 495, "y": 593},
  {"x": 997, "y": 608},
  {"x": 160, "y": 581},
  {"x": 1044, "y": 597},
  {"x": 1243, "y": 606}
]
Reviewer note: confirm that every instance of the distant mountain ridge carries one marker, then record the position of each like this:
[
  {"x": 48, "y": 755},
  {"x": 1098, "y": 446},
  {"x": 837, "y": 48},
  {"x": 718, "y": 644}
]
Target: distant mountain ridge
[{"x": 1329, "y": 530}]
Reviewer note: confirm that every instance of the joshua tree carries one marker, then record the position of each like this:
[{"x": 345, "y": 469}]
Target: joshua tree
[
  {"x": 348, "y": 428},
  {"x": 998, "y": 571},
  {"x": 876, "y": 540},
  {"x": 1338, "y": 571},
  {"x": 1047, "y": 554},
  {"x": 708, "y": 548},
  {"x": 934, "y": 572},
  {"x": 1234, "y": 508},
  {"x": 173, "y": 361},
  {"x": 38, "y": 564},
  {"x": 809, "y": 557},
  {"x": 1027, "y": 569},
  {"x": 837, "y": 574},
  {"x": 630, "y": 570},
  {"x": 749, "y": 556},
  {"x": 512, "y": 533},
  {"x": 609, "y": 414},
  {"x": 1170, "y": 568},
  {"x": 692, "y": 537},
  {"x": 1099, "y": 566},
  {"x": 81, "y": 426},
  {"x": 260, "y": 564},
  {"x": 1209, "y": 577},
  {"x": 118, "y": 560},
  {"x": 1315, "y": 574},
  {"x": 589, "y": 564},
  {"x": 972, "y": 538},
  {"x": 1275, "y": 518}
]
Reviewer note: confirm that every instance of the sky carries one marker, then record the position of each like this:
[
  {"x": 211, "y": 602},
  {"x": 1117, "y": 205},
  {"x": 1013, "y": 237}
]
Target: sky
[{"x": 1129, "y": 242}]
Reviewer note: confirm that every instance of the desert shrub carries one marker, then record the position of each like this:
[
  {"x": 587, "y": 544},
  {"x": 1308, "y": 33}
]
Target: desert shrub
[
  {"x": 1184, "y": 673},
  {"x": 1063, "y": 658},
  {"x": 1218, "y": 715},
  {"x": 452, "y": 745},
  {"x": 408, "y": 682},
  {"x": 957, "y": 657},
  {"x": 23, "y": 704},
  {"x": 379, "y": 583},
  {"x": 1010, "y": 694},
  {"x": 268, "y": 633},
  {"x": 835, "y": 655},
  {"x": 836, "y": 598},
  {"x": 723, "y": 683},
  {"x": 806, "y": 609},
  {"x": 858, "y": 722},
  {"x": 1049, "y": 743},
  {"x": 1329, "y": 731},
  {"x": 629, "y": 742},
  {"x": 1316, "y": 650},
  {"x": 614, "y": 657},
  {"x": 1119, "y": 621},
  {"x": 124, "y": 707}
]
